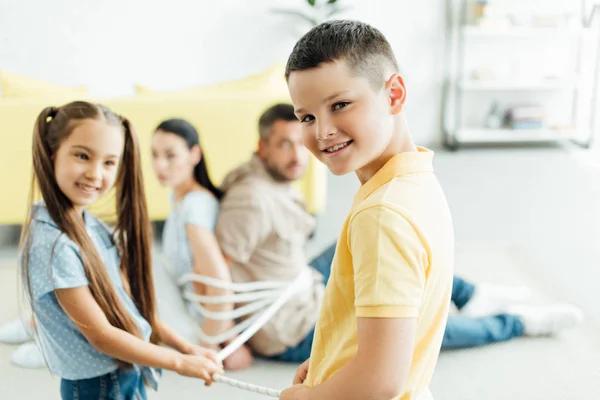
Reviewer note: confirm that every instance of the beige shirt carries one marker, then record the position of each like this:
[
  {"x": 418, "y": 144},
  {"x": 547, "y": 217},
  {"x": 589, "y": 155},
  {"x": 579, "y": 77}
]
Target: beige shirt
[{"x": 263, "y": 227}]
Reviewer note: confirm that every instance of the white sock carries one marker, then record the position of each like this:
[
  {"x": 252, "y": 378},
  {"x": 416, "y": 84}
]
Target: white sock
[
  {"x": 15, "y": 332},
  {"x": 493, "y": 300},
  {"x": 547, "y": 320},
  {"x": 28, "y": 355}
]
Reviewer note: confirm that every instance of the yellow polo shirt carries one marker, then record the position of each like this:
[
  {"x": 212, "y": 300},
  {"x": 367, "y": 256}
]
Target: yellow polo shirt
[{"x": 394, "y": 259}]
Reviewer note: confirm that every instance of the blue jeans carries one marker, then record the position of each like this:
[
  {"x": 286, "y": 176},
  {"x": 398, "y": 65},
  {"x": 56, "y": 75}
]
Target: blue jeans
[
  {"x": 117, "y": 385},
  {"x": 462, "y": 332}
]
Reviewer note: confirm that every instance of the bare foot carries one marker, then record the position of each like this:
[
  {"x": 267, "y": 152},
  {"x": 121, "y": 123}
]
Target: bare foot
[{"x": 239, "y": 359}]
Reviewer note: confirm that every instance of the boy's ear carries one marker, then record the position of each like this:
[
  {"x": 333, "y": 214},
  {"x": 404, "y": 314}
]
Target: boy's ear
[{"x": 396, "y": 91}]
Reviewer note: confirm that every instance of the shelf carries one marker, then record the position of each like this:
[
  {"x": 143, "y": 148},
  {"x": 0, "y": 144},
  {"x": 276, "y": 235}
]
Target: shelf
[
  {"x": 482, "y": 135},
  {"x": 521, "y": 32},
  {"x": 490, "y": 85},
  {"x": 496, "y": 62}
]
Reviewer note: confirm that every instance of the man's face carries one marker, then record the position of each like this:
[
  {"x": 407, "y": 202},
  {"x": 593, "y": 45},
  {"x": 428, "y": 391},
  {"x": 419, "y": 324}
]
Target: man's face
[{"x": 283, "y": 153}]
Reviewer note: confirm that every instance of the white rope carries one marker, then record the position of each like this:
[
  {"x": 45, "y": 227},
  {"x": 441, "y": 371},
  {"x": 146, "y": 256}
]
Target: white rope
[
  {"x": 248, "y": 386},
  {"x": 298, "y": 284},
  {"x": 225, "y": 336},
  {"x": 232, "y": 298},
  {"x": 236, "y": 313},
  {"x": 233, "y": 286},
  {"x": 262, "y": 293}
]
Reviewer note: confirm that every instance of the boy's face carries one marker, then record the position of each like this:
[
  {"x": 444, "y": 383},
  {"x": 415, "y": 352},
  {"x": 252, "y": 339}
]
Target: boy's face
[{"x": 346, "y": 124}]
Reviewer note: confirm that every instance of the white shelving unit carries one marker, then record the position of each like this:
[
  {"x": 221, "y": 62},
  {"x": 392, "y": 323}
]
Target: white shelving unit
[
  {"x": 464, "y": 93},
  {"x": 472, "y": 135},
  {"x": 515, "y": 86},
  {"x": 520, "y": 32}
]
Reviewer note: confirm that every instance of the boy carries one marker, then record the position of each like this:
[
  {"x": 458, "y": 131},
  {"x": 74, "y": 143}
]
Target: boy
[{"x": 386, "y": 304}]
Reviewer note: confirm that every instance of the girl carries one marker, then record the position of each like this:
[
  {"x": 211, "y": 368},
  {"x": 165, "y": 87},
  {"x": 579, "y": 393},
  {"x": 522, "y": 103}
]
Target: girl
[
  {"x": 91, "y": 290},
  {"x": 188, "y": 240}
]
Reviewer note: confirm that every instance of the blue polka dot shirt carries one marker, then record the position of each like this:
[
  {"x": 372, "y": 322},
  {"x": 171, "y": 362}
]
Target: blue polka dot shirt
[{"x": 55, "y": 263}]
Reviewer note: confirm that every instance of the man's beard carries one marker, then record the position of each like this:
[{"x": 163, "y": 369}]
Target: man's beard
[{"x": 277, "y": 175}]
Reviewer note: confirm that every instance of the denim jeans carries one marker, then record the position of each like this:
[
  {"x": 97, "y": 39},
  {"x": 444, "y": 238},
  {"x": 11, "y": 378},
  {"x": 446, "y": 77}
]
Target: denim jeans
[
  {"x": 462, "y": 332},
  {"x": 117, "y": 385},
  {"x": 462, "y": 291}
]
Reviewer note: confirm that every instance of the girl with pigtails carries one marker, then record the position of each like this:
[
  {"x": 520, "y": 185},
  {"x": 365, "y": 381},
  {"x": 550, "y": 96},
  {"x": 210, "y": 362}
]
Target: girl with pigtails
[{"x": 90, "y": 287}]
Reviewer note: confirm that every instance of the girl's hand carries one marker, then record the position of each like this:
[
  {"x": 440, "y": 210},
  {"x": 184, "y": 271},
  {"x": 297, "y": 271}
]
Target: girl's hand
[
  {"x": 198, "y": 366},
  {"x": 238, "y": 360},
  {"x": 205, "y": 352}
]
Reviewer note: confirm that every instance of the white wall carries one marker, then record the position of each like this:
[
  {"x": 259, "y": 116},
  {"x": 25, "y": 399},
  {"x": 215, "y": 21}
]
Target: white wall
[{"x": 109, "y": 45}]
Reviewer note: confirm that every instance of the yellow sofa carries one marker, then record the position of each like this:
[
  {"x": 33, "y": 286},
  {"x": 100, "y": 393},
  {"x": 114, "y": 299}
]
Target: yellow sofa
[
  {"x": 226, "y": 120},
  {"x": 16, "y": 86}
]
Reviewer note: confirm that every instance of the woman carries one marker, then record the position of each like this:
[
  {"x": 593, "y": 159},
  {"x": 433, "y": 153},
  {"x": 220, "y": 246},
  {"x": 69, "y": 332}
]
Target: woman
[{"x": 188, "y": 240}]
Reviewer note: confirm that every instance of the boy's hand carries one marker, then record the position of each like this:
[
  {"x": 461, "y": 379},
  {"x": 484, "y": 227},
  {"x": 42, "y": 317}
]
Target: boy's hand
[
  {"x": 301, "y": 373},
  {"x": 296, "y": 392}
]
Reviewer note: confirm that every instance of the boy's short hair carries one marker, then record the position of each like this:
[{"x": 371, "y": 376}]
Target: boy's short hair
[
  {"x": 277, "y": 112},
  {"x": 364, "y": 48}
]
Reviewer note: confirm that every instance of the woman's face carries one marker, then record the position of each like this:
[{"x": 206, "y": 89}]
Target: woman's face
[{"x": 172, "y": 160}]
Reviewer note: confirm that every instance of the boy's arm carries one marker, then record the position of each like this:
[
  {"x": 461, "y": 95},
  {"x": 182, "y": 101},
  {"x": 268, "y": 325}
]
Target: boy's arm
[
  {"x": 379, "y": 369},
  {"x": 389, "y": 262}
]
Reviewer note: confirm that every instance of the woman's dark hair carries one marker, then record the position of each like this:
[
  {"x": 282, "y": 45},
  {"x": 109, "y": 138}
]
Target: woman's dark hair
[{"x": 187, "y": 132}]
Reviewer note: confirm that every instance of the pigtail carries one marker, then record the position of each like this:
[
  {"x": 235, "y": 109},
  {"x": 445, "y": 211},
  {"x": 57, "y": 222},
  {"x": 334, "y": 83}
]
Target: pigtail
[
  {"x": 134, "y": 230},
  {"x": 41, "y": 161}
]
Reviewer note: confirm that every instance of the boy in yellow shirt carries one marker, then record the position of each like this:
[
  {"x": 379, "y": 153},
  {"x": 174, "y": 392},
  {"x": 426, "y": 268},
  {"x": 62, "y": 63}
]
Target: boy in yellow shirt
[{"x": 385, "y": 307}]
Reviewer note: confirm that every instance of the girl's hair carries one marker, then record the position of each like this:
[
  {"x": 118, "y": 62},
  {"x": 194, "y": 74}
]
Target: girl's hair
[
  {"x": 187, "y": 132},
  {"x": 132, "y": 232}
]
